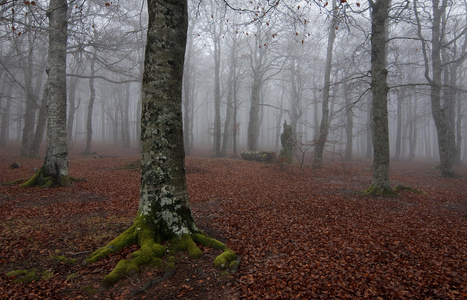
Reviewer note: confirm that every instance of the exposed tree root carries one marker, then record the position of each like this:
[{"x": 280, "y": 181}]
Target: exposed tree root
[
  {"x": 168, "y": 274},
  {"x": 377, "y": 191},
  {"x": 400, "y": 188},
  {"x": 16, "y": 181},
  {"x": 42, "y": 180},
  {"x": 151, "y": 250}
]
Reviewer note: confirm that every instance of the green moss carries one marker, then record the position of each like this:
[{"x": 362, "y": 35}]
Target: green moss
[
  {"x": 386, "y": 192},
  {"x": 34, "y": 179},
  {"x": 151, "y": 251},
  {"x": 66, "y": 181},
  {"x": 47, "y": 274},
  {"x": 400, "y": 188},
  {"x": 186, "y": 243},
  {"x": 90, "y": 289},
  {"x": 24, "y": 275},
  {"x": 224, "y": 259},
  {"x": 127, "y": 238},
  {"x": 72, "y": 276},
  {"x": 207, "y": 241},
  {"x": 124, "y": 268},
  {"x": 65, "y": 259}
]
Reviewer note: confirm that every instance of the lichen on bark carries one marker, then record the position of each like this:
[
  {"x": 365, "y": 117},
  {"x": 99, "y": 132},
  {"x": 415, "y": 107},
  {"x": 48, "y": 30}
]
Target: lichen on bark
[{"x": 164, "y": 216}]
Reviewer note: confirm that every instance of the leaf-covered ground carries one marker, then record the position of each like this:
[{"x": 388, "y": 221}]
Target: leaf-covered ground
[{"x": 301, "y": 233}]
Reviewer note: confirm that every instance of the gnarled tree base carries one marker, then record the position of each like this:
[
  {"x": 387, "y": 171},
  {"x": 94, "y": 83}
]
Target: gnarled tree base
[{"x": 151, "y": 250}]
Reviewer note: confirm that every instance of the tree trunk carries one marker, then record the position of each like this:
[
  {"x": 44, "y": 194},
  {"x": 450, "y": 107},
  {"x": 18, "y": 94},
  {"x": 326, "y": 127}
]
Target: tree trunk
[
  {"x": 324, "y": 126},
  {"x": 31, "y": 104},
  {"x": 397, "y": 152},
  {"x": 441, "y": 115},
  {"x": 126, "y": 120},
  {"x": 230, "y": 95},
  {"x": 72, "y": 83},
  {"x": 187, "y": 87},
  {"x": 348, "y": 125},
  {"x": 92, "y": 99},
  {"x": 40, "y": 127},
  {"x": 412, "y": 127},
  {"x": 217, "y": 94},
  {"x": 55, "y": 167},
  {"x": 4, "y": 130},
  {"x": 379, "y": 88},
  {"x": 164, "y": 211},
  {"x": 253, "y": 123}
]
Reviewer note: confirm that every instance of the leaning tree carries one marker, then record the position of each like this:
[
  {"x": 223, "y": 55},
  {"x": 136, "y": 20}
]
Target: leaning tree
[{"x": 164, "y": 213}]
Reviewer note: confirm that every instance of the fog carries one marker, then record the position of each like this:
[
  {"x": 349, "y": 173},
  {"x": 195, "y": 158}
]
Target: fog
[{"x": 248, "y": 69}]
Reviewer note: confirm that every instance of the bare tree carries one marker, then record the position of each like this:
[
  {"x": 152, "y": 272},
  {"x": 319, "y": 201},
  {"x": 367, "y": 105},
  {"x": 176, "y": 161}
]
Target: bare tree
[
  {"x": 441, "y": 110},
  {"x": 55, "y": 167},
  {"x": 164, "y": 211},
  {"x": 379, "y": 87}
]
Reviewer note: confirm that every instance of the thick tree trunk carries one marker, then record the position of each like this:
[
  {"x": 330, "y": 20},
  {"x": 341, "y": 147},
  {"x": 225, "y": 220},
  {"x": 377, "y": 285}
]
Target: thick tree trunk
[
  {"x": 55, "y": 167},
  {"x": 379, "y": 88},
  {"x": 324, "y": 126},
  {"x": 164, "y": 211}
]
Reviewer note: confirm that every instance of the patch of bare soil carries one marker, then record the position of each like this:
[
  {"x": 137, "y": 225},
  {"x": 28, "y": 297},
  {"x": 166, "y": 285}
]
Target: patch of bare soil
[{"x": 300, "y": 233}]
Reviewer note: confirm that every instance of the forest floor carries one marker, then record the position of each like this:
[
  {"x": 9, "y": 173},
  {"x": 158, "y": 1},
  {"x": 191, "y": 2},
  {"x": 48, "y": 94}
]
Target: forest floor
[{"x": 301, "y": 233}]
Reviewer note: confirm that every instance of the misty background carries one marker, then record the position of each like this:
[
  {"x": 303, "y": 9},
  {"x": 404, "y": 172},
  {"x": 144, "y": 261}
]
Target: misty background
[{"x": 249, "y": 67}]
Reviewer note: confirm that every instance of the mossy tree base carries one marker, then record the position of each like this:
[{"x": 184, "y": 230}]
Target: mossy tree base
[
  {"x": 43, "y": 180},
  {"x": 151, "y": 250},
  {"x": 377, "y": 191}
]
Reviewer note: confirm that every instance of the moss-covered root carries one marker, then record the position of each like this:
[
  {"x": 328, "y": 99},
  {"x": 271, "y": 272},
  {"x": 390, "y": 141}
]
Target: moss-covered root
[
  {"x": 400, "y": 188},
  {"x": 226, "y": 260},
  {"x": 377, "y": 191},
  {"x": 46, "y": 181},
  {"x": 149, "y": 253}
]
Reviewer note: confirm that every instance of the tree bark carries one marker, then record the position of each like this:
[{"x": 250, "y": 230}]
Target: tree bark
[
  {"x": 324, "y": 126},
  {"x": 348, "y": 125},
  {"x": 441, "y": 115},
  {"x": 55, "y": 167},
  {"x": 379, "y": 87},
  {"x": 4, "y": 130},
  {"x": 164, "y": 211},
  {"x": 92, "y": 98},
  {"x": 40, "y": 127}
]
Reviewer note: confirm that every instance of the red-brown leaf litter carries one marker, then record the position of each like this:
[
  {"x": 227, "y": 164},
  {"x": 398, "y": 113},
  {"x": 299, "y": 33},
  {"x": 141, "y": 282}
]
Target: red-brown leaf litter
[{"x": 301, "y": 233}]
